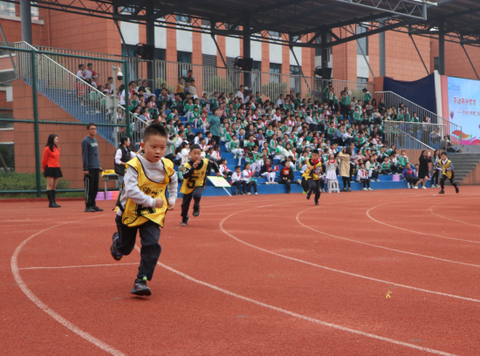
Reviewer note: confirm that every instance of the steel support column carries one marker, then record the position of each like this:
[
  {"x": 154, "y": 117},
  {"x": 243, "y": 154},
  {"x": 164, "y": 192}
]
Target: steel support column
[
  {"x": 150, "y": 29},
  {"x": 26, "y": 21},
  {"x": 381, "y": 50},
  {"x": 441, "y": 47},
  {"x": 247, "y": 75}
]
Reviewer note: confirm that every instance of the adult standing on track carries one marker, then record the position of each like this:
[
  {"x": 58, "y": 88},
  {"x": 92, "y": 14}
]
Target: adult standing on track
[
  {"x": 123, "y": 154},
  {"x": 214, "y": 122},
  {"x": 91, "y": 168},
  {"x": 51, "y": 167},
  {"x": 423, "y": 169},
  {"x": 345, "y": 168}
]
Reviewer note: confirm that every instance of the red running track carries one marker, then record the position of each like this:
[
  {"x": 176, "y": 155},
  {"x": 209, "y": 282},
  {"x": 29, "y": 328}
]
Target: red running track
[{"x": 364, "y": 273}]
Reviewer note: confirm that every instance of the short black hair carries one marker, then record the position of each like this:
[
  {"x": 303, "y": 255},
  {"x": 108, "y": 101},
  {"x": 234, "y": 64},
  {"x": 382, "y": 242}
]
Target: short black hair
[
  {"x": 238, "y": 167},
  {"x": 315, "y": 151},
  {"x": 194, "y": 147},
  {"x": 90, "y": 125},
  {"x": 154, "y": 129}
]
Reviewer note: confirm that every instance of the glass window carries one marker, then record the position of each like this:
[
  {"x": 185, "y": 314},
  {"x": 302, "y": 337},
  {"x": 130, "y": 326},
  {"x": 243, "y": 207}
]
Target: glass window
[
  {"x": 275, "y": 68},
  {"x": 318, "y": 50},
  {"x": 257, "y": 66},
  {"x": 183, "y": 18},
  {"x": 184, "y": 59},
  {"x": 7, "y": 8},
  {"x": 274, "y": 34},
  {"x": 362, "y": 43},
  {"x": 294, "y": 70}
]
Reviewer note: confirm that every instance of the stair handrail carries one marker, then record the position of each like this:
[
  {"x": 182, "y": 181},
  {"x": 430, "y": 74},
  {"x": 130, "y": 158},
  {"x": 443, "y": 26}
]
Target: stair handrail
[
  {"x": 395, "y": 128},
  {"x": 29, "y": 46}
]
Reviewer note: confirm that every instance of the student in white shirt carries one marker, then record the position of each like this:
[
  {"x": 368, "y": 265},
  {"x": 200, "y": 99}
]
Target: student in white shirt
[
  {"x": 362, "y": 177},
  {"x": 237, "y": 181},
  {"x": 224, "y": 170},
  {"x": 81, "y": 71},
  {"x": 250, "y": 181}
]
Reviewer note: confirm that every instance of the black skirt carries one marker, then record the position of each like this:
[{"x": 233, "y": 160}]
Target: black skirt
[{"x": 54, "y": 172}]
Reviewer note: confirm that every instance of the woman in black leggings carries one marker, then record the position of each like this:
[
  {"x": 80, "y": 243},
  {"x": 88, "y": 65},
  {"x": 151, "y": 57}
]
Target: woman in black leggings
[{"x": 344, "y": 156}]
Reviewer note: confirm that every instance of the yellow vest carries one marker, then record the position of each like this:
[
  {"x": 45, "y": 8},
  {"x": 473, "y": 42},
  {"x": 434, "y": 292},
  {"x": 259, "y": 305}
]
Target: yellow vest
[
  {"x": 197, "y": 179},
  {"x": 317, "y": 169},
  {"x": 135, "y": 214},
  {"x": 446, "y": 166}
]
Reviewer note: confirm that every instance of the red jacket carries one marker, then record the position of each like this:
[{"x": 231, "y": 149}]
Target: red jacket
[{"x": 51, "y": 159}]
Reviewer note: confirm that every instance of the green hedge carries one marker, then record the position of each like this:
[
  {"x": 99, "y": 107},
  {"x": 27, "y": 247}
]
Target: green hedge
[{"x": 26, "y": 181}]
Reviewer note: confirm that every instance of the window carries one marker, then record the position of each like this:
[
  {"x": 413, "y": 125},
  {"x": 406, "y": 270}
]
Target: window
[
  {"x": 7, "y": 8},
  {"x": 127, "y": 9},
  {"x": 183, "y": 18},
  {"x": 257, "y": 66},
  {"x": 184, "y": 59},
  {"x": 133, "y": 67},
  {"x": 275, "y": 69},
  {"x": 362, "y": 83},
  {"x": 160, "y": 54},
  {"x": 274, "y": 34},
  {"x": 294, "y": 70},
  {"x": 205, "y": 23},
  {"x": 362, "y": 43}
]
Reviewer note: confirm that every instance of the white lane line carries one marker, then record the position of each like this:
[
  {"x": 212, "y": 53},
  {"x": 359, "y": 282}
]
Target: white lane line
[
  {"x": 444, "y": 217},
  {"x": 415, "y": 232},
  {"x": 303, "y": 317},
  {"x": 81, "y": 266},
  {"x": 383, "y": 247},
  {"x": 57, "y": 317},
  {"x": 334, "y": 269}
]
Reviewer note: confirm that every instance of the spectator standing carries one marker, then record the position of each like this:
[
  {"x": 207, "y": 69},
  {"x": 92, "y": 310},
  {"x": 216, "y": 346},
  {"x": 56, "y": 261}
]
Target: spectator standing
[
  {"x": 51, "y": 168},
  {"x": 214, "y": 122},
  {"x": 91, "y": 168},
  {"x": 123, "y": 154},
  {"x": 424, "y": 160},
  {"x": 344, "y": 157}
]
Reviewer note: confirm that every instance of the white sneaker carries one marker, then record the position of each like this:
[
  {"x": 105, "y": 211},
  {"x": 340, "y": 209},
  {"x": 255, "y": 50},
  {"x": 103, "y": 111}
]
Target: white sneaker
[
  {"x": 256, "y": 193},
  {"x": 409, "y": 186},
  {"x": 267, "y": 183},
  {"x": 415, "y": 187},
  {"x": 424, "y": 187},
  {"x": 249, "y": 193},
  {"x": 364, "y": 189},
  {"x": 378, "y": 180},
  {"x": 370, "y": 189}
]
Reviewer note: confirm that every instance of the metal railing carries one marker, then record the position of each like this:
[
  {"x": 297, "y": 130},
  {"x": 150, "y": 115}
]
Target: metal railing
[
  {"x": 444, "y": 126},
  {"x": 79, "y": 98},
  {"x": 403, "y": 140},
  {"x": 209, "y": 79}
]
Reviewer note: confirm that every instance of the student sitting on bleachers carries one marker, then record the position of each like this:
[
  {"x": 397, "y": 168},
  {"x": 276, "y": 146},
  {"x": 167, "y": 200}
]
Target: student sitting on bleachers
[
  {"x": 267, "y": 172},
  {"x": 237, "y": 181},
  {"x": 250, "y": 181}
]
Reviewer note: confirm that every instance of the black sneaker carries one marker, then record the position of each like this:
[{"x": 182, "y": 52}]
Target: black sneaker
[
  {"x": 196, "y": 212},
  {"x": 308, "y": 196},
  {"x": 89, "y": 209},
  {"x": 116, "y": 256},
  {"x": 184, "y": 221},
  {"x": 96, "y": 208},
  {"x": 140, "y": 287},
  {"x": 316, "y": 203},
  {"x": 456, "y": 189},
  {"x": 441, "y": 192}
]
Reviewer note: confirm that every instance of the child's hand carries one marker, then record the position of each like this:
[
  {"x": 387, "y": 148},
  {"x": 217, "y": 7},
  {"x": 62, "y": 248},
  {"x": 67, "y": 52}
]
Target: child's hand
[
  {"x": 159, "y": 203},
  {"x": 218, "y": 174},
  {"x": 171, "y": 206}
]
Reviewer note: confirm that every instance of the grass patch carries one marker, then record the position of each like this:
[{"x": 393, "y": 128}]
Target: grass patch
[{"x": 26, "y": 181}]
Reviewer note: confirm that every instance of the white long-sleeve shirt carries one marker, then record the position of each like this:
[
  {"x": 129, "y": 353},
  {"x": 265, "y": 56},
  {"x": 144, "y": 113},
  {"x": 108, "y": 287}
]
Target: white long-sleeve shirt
[
  {"x": 236, "y": 177},
  {"x": 155, "y": 172},
  {"x": 362, "y": 174},
  {"x": 247, "y": 174},
  {"x": 118, "y": 156}
]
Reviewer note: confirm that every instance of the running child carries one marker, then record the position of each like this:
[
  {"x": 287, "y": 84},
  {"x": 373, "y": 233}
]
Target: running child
[
  {"x": 142, "y": 205},
  {"x": 311, "y": 177},
  {"x": 195, "y": 174},
  {"x": 447, "y": 172}
]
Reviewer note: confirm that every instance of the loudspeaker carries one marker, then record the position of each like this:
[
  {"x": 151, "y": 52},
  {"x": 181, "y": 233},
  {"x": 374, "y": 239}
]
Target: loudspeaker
[
  {"x": 244, "y": 63},
  {"x": 148, "y": 52},
  {"x": 325, "y": 73}
]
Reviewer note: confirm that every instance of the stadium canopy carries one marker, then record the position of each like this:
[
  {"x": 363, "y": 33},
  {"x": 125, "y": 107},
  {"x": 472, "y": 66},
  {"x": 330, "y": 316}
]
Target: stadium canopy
[{"x": 287, "y": 22}]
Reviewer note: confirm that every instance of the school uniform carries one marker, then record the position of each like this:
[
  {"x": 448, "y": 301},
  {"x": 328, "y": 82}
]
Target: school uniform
[
  {"x": 447, "y": 173},
  {"x": 194, "y": 182},
  {"x": 362, "y": 177},
  {"x": 144, "y": 183},
  {"x": 311, "y": 181},
  {"x": 238, "y": 183}
]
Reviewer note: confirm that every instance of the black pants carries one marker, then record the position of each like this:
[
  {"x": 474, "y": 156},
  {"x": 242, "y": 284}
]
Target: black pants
[
  {"x": 91, "y": 187},
  {"x": 375, "y": 174},
  {"x": 434, "y": 179},
  {"x": 444, "y": 178},
  {"x": 187, "y": 198},
  {"x": 150, "y": 251},
  {"x": 412, "y": 180},
  {"x": 251, "y": 184},
  {"x": 365, "y": 182},
  {"x": 346, "y": 182},
  {"x": 287, "y": 183},
  {"x": 313, "y": 186},
  {"x": 239, "y": 186},
  {"x": 217, "y": 139}
]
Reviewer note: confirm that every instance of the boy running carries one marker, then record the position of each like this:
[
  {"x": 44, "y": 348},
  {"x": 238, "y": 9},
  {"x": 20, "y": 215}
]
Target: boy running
[
  {"x": 195, "y": 174},
  {"x": 447, "y": 172},
  {"x": 142, "y": 205},
  {"x": 311, "y": 177}
]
